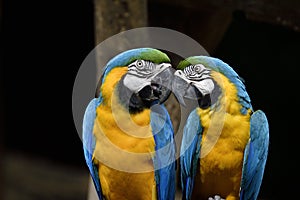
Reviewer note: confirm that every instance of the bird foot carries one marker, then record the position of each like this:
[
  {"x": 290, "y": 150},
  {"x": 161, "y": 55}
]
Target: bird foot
[{"x": 216, "y": 197}]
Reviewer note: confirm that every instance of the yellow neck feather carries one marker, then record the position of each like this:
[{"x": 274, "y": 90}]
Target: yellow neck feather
[
  {"x": 221, "y": 119},
  {"x": 226, "y": 132},
  {"x": 228, "y": 99},
  {"x": 126, "y": 131},
  {"x": 111, "y": 80}
]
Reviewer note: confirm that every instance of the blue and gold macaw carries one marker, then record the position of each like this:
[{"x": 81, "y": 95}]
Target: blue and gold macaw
[
  {"x": 225, "y": 143},
  {"x": 127, "y": 132}
]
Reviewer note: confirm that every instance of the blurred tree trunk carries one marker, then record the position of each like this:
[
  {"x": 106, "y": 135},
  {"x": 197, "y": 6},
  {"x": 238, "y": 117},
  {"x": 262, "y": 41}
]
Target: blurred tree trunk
[
  {"x": 115, "y": 16},
  {"x": 112, "y": 17},
  {"x": 92, "y": 194}
]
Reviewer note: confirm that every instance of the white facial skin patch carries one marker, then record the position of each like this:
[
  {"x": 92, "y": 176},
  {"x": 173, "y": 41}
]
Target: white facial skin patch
[
  {"x": 141, "y": 73},
  {"x": 198, "y": 76}
]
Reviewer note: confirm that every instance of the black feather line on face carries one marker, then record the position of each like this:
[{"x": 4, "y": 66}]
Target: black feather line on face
[
  {"x": 146, "y": 69},
  {"x": 130, "y": 100},
  {"x": 216, "y": 93},
  {"x": 135, "y": 102},
  {"x": 191, "y": 74}
]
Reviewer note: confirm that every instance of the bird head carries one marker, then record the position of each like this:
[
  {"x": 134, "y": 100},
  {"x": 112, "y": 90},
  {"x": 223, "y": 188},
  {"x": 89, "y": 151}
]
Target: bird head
[
  {"x": 147, "y": 79},
  {"x": 192, "y": 80}
]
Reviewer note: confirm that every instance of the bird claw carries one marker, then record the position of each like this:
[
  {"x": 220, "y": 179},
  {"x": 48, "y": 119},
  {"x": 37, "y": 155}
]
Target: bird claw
[{"x": 216, "y": 197}]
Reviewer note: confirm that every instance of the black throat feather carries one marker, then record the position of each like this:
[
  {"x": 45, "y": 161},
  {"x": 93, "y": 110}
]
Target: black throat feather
[
  {"x": 133, "y": 102},
  {"x": 210, "y": 99}
]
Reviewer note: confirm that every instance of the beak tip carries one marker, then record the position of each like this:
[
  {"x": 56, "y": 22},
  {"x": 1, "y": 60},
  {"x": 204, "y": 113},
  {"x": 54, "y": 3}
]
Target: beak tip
[{"x": 183, "y": 104}]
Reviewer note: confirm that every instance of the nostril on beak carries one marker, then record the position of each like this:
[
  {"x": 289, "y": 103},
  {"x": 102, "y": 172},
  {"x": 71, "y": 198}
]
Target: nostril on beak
[{"x": 156, "y": 89}]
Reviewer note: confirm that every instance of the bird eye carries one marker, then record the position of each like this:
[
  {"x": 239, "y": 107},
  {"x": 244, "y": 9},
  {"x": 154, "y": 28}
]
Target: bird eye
[
  {"x": 139, "y": 64},
  {"x": 197, "y": 68}
]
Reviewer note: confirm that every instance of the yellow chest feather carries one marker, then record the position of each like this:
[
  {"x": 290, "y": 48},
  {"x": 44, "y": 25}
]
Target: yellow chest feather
[
  {"x": 225, "y": 134},
  {"x": 120, "y": 137}
]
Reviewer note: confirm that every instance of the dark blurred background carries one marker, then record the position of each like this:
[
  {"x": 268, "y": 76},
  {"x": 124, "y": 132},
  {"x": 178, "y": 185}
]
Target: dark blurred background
[{"x": 43, "y": 44}]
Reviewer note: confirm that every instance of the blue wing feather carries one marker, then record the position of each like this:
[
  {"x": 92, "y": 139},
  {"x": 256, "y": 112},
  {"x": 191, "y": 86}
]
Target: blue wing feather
[
  {"x": 255, "y": 156},
  {"x": 89, "y": 143},
  {"x": 164, "y": 158},
  {"x": 190, "y": 152}
]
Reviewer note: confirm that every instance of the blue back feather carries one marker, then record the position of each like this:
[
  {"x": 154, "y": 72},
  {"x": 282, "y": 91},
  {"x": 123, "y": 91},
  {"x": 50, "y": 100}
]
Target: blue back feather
[
  {"x": 89, "y": 143},
  {"x": 255, "y": 156},
  {"x": 164, "y": 158},
  {"x": 190, "y": 152}
]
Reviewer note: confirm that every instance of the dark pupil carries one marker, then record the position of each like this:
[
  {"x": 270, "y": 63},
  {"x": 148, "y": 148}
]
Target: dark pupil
[{"x": 197, "y": 69}]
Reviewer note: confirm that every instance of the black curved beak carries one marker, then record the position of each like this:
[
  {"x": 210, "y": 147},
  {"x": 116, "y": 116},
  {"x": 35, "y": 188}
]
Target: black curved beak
[
  {"x": 179, "y": 87},
  {"x": 183, "y": 89},
  {"x": 161, "y": 84}
]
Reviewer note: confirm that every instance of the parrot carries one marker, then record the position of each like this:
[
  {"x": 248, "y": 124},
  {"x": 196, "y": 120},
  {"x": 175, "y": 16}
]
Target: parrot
[
  {"x": 224, "y": 146},
  {"x": 127, "y": 132}
]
